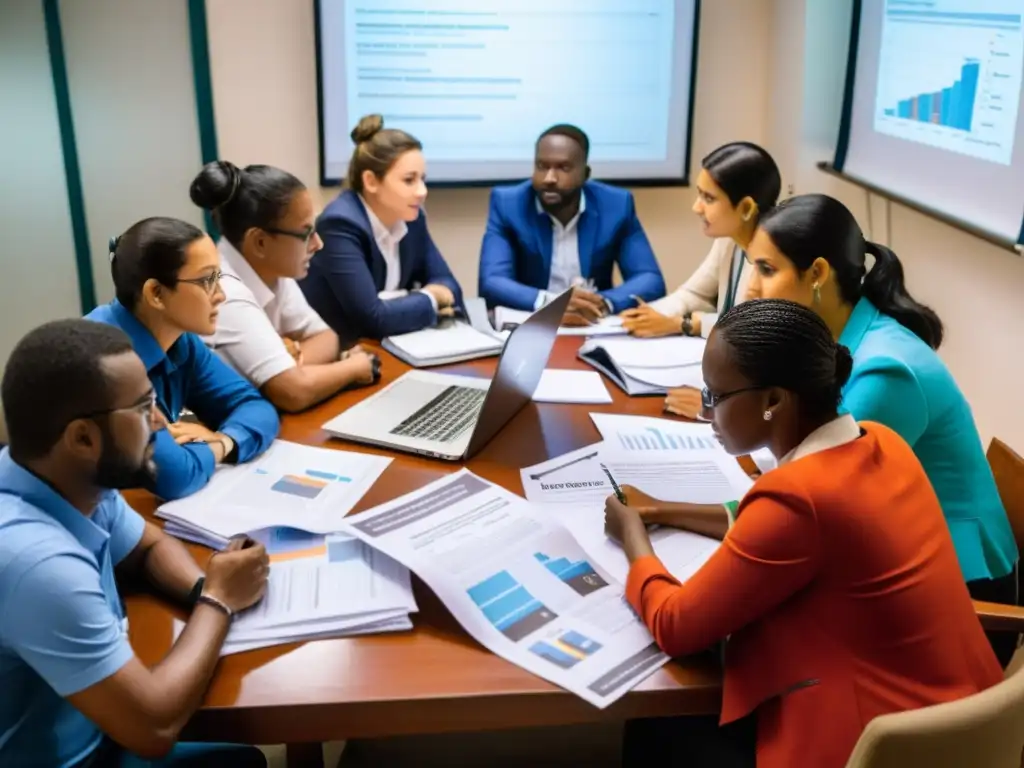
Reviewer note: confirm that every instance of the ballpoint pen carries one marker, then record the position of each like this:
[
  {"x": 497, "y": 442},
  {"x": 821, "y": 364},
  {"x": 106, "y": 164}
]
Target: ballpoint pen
[{"x": 615, "y": 486}]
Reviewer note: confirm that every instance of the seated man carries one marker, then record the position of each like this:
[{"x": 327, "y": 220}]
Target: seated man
[
  {"x": 560, "y": 231},
  {"x": 80, "y": 414}
]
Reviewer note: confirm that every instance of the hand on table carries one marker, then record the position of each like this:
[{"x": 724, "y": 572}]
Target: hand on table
[
  {"x": 191, "y": 432},
  {"x": 361, "y": 365},
  {"x": 684, "y": 401},
  {"x": 584, "y": 308},
  {"x": 442, "y": 295},
  {"x": 645, "y": 322}
]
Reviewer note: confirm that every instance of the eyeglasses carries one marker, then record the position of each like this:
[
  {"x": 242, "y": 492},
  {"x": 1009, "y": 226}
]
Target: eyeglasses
[
  {"x": 144, "y": 405},
  {"x": 709, "y": 400},
  {"x": 208, "y": 283},
  {"x": 304, "y": 235}
]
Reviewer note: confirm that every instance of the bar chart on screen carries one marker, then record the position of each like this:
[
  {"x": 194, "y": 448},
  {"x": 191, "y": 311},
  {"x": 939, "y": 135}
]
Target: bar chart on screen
[{"x": 949, "y": 75}]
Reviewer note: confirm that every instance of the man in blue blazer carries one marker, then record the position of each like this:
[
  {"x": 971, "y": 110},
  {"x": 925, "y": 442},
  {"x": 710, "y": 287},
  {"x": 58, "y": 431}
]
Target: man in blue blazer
[
  {"x": 559, "y": 230},
  {"x": 347, "y": 276}
]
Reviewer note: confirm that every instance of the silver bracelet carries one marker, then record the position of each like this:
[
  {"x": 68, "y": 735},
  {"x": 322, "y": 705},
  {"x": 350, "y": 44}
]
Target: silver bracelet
[{"x": 218, "y": 604}]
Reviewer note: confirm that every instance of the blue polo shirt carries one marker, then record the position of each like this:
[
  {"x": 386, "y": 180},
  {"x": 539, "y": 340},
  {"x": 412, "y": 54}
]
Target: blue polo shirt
[
  {"x": 901, "y": 382},
  {"x": 190, "y": 376},
  {"x": 62, "y": 626}
]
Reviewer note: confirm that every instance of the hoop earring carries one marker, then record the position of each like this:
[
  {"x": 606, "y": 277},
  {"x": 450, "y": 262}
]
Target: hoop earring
[
  {"x": 817, "y": 293},
  {"x": 768, "y": 415}
]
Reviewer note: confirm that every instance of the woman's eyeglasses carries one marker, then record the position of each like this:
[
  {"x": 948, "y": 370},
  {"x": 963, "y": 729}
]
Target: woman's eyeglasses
[
  {"x": 709, "y": 399},
  {"x": 304, "y": 235},
  {"x": 208, "y": 283}
]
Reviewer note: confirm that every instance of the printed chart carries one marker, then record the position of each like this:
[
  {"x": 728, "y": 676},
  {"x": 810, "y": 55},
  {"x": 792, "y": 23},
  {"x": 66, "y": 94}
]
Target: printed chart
[
  {"x": 509, "y": 606},
  {"x": 567, "y": 650}
]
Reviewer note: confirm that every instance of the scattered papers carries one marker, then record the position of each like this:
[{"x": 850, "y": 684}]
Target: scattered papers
[
  {"x": 573, "y": 489},
  {"x": 506, "y": 319},
  {"x": 322, "y": 586},
  {"x": 451, "y": 343},
  {"x": 518, "y": 582},
  {"x": 565, "y": 386},
  {"x": 297, "y": 486}
]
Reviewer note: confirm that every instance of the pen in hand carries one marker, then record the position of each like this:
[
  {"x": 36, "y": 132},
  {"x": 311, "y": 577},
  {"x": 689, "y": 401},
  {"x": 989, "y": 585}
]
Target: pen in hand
[{"x": 615, "y": 486}]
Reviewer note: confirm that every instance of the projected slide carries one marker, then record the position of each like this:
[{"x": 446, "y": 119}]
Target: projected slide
[
  {"x": 477, "y": 80},
  {"x": 949, "y": 75}
]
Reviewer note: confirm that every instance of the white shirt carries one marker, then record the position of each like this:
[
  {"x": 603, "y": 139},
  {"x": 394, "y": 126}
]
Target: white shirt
[
  {"x": 565, "y": 255},
  {"x": 840, "y": 431},
  {"x": 254, "y": 317},
  {"x": 388, "y": 240}
]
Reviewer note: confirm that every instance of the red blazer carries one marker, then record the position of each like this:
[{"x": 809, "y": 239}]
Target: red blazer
[{"x": 840, "y": 588}]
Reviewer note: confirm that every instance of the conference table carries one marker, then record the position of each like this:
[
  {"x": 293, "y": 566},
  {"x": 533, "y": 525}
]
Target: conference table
[{"x": 434, "y": 678}]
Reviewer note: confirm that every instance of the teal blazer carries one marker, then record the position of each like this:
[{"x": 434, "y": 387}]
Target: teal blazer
[{"x": 899, "y": 381}]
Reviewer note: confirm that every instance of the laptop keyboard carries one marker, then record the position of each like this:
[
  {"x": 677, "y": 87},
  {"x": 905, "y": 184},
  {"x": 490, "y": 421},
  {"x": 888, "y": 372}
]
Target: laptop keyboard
[{"x": 445, "y": 417}]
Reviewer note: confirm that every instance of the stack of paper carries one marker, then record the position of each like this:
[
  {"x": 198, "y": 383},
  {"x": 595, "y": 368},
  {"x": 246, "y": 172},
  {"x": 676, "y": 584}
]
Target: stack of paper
[
  {"x": 323, "y": 586},
  {"x": 506, "y": 319},
  {"x": 319, "y": 587},
  {"x": 647, "y": 366},
  {"x": 292, "y": 485},
  {"x": 451, "y": 342},
  {"x": 518, "y": 582}
]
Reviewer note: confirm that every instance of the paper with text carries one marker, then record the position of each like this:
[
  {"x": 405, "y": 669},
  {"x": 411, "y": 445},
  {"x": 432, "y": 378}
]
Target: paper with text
[
  {"x": 518, "y": 582},
  {"x": 291, "y": 485}
]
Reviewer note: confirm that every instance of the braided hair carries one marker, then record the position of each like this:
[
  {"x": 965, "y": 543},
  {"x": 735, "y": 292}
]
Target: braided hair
[{"x": 777, "y": 343}]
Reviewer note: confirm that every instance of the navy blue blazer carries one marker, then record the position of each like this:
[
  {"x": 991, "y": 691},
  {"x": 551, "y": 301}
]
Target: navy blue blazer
[
  {"x": 347, "y": 274},
  {"x": 515, "y": 258}
]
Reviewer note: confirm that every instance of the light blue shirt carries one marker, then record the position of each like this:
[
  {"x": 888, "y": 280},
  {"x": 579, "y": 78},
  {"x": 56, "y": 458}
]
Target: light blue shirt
[
  {"x": 191, "y": 376},
  {"x": 900, "y": 381},
  {"x": 62, "y": 624}
]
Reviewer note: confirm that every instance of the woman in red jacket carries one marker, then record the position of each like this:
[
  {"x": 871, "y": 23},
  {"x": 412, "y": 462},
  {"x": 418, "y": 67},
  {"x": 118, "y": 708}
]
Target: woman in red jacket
[{"x": 837, "y": 585}]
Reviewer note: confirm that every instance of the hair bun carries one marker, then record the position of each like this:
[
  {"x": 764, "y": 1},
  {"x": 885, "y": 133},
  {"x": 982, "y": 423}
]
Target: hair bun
[
  {"x": 844, "y": 366},
  {"x": 215, "y": 185},
  {"x": 367, "y": 128}
]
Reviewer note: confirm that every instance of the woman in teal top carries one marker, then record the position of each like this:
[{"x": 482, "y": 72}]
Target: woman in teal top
[{"x": 809, "y": 249}]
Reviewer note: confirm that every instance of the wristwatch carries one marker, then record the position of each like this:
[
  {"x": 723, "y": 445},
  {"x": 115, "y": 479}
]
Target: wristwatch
[
  {"x": 687, "y": 329},
  {"x": 197, "y": 590}
]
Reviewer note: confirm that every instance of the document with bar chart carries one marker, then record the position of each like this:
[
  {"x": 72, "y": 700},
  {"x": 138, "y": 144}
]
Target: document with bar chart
[
  {"x": 518, "y": 582},
  {"x": 949, "y": 75},
  {"x": 298, "y": 486}
]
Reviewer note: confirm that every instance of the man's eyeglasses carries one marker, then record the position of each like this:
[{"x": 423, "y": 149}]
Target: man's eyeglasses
[
  {"x": 709, "y": 399},
  {"x": 304, "y": 235},
  {"x": 143, "y": 405},
  {"x": 208, "y": 283}
]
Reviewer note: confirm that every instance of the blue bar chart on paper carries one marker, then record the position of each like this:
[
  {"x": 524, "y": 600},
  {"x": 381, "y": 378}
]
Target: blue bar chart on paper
[
  {"x": 509, "y": 606},
  {"x": 949, "y": 75},
  {"x": 654, "y": 439},
  {"x": 578, "y": 575}
]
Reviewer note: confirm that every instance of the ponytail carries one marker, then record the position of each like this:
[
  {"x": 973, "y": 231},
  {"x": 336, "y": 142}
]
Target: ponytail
[{"x": 884, "y": 287}]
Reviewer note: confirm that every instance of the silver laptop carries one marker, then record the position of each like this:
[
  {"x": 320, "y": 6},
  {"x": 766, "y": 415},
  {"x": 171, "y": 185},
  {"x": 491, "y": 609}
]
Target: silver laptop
[{"x": 452, "y": 417}]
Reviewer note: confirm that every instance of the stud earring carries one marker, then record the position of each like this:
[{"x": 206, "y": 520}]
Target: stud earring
[
  {"x": 817, "y": 293},
  {"x": 768, "y": 415}
]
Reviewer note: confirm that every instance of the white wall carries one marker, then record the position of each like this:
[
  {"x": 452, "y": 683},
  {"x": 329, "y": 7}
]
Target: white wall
[
  {"x": 263, "y": 69},
  {"x": 133, "y": 101},
  {"x": 39, "y": 279}
]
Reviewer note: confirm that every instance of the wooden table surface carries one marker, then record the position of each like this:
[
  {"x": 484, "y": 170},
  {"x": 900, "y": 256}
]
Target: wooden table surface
[{"x": 435, "y": 678}]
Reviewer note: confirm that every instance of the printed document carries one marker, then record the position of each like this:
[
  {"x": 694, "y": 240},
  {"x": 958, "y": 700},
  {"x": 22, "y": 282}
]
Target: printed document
[
  {"x": 518, "y": 582},
  {"x": 606, "y": 326},
  {"x": 290, "y": 485},
  {"x": 319, "y": 586},
  {"x": 573, "y": 489}
]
